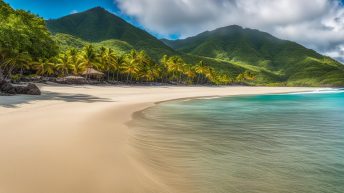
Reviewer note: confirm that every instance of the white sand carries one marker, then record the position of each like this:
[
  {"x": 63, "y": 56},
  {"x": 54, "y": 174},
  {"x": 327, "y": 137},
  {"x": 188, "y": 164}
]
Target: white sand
[{"x": 75, "y": 139}]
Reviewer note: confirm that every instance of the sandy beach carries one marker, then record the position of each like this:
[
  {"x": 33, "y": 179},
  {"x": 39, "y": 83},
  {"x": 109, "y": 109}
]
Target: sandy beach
[{"x": 74, "y": 139}]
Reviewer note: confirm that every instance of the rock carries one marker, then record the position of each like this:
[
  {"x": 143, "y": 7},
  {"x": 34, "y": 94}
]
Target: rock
[
  {"x": 21, "y": 89},
  {"x": 33, "y": 89},
  {"x": 72, "y": 80},
  {"x": 8, "y": 88}
]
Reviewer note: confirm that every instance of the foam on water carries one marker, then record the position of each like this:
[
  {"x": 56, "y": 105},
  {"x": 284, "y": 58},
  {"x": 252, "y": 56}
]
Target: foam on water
[{"x": 322, "y": 91}]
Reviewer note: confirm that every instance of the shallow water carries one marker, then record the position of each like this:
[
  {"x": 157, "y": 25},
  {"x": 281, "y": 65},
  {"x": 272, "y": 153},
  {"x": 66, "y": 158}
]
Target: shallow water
[{"x": 290, "y": 143}]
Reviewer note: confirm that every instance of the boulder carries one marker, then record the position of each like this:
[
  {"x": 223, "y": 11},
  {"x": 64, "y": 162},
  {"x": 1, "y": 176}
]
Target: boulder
[
  {"x": 72, "y": 80},
  {"x": 8, "y": 88},
  {"x": 33, "y": 89}
]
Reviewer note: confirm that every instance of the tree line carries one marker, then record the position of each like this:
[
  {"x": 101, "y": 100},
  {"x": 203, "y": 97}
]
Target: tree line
[
  {"x": 134, "y": 66},
  {"x": 26, "y": 48}
]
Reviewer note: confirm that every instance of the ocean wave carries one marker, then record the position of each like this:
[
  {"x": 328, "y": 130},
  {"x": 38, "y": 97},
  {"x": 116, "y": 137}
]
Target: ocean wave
[{"x": 320, "y": 91}]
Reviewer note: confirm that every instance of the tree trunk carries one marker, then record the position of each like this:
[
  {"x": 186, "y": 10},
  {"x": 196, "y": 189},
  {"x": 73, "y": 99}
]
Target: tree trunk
[{"x": 1, "y": 75}]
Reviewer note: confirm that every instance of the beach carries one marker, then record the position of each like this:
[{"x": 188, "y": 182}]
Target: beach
[{"x": 75, "y": 139}]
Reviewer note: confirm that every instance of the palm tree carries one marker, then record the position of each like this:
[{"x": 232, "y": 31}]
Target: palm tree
[
  {"x": 44, "y": 67},
  {"x": 201, "y": 70},
  {"x": 63, "y": 64},
  {"x": 12, "y": 60},
  {"x": 181, "y": 70},
  {"x": 220, "y": 78},
  {"x": 104, "y": 60},
  {"x": 190, "y": 73},
  {"x": 209, "y": 73},
  {"x": 174, "y": 65},
  {"x": 75, "y": 59},
  {"x": 117, "y": 62},
  {"x": 22, "y": 62},
  {"x": 131, "y": 67},
  {"x": 88, "y": 57},
  {"x": 164, "y": 67},
  {"x": 4, "y": 53},
  {"x": 151, "y": 72}
]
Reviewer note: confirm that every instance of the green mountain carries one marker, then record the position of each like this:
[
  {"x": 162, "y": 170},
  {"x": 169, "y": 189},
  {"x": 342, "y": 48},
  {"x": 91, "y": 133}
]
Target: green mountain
[
  {"x": 98, "y": 25},
  {"x": 290, "y": 62},
  {"x": 231, "y": 49}
]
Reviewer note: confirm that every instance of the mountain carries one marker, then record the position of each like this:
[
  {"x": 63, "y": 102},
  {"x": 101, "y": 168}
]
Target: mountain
[
  {"x": 291, "y": 62},
  {"x": 231, "y": 49},
  {"x": 97, "y": 25}
]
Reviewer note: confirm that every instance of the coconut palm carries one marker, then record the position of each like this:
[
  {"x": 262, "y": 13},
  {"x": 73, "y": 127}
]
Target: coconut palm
[
  {"x": 164, "y": 68},
  {"x": 73, "y": 56},
  {"x": 104, "y": 60},
  {"x": 151, "y": 72},
  {"x": 201, "y": 69},
  {"x": 75, "y": 59},
  {"x": 174, "y": 66},
  {"x": 117, "y": 62},
  {"x": 22, "y": 62},
  {"x": 13, "y": 60},
  {"x": 190, "y": 73},
  {"x": 44, "y": 67},
  {"x": 131, "y": 66},
  {"x": 63, "y": 64},
  {"x": 220, "y": 78},
  {"x": 88, "y": 57}
]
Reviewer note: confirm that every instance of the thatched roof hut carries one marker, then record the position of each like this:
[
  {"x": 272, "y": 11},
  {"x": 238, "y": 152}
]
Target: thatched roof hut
[{"x": 92, "y": 73}]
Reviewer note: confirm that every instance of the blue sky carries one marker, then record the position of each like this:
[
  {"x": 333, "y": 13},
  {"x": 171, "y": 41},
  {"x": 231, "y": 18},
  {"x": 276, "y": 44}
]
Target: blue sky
[
  {"x": 52, "y": 9},
  {"x": 56, "y": 8},
  {"x": 316, "y": 24}
]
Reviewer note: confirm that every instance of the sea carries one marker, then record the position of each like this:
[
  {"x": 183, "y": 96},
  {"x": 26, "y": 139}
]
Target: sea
[{"x": 280, "y": 143}]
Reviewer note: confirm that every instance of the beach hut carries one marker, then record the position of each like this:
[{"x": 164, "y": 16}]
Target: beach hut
[{"x": 93, "y": 74}]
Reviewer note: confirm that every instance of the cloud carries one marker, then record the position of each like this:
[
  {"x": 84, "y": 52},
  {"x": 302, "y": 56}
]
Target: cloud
[
  {"x": 317, "y": 24},
  {"x": 74, "y": 12}
]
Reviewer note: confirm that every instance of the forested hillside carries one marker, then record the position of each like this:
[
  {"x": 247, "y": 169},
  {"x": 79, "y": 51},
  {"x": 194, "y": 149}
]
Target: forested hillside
[
  {"x": 97, "y": 39},
  {"x": 293, "y": 63}
]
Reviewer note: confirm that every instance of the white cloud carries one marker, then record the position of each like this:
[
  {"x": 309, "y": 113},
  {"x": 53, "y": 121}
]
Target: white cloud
[
  {"x": 74, "y": 12},
  {"x": 317, "y": 24}
]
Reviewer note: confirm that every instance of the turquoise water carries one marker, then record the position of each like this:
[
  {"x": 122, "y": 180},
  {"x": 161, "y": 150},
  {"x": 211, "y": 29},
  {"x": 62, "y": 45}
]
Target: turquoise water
[{"x": 290, "y": 143}]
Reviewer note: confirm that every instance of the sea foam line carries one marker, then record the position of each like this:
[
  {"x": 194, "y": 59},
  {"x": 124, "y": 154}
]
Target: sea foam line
[{"x": 321, "y": 91}]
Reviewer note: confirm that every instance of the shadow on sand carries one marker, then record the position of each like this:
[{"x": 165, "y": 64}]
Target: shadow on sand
[{"x": 15, "y": 101}]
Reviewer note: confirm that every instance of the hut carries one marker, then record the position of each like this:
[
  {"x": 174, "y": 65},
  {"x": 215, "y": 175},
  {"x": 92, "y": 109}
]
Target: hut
[{"x": 93, "y": 74}]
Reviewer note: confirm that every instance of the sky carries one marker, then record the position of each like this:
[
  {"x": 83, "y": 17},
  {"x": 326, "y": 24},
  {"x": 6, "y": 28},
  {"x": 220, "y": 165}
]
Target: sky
[{"x": 316, "y": 24}]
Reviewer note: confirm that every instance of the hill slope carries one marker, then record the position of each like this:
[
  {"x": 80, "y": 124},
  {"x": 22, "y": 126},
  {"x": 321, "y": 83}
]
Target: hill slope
[
  {"x": 293, "y": 63},
  {"x": 66, "y": 42},
  {"x": 97, "y": 25},
  {"x": 230, "y": 49}
]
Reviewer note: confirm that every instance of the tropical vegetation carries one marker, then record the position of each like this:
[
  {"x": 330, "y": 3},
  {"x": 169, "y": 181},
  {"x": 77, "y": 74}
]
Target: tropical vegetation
[{"x": 96, "y": 39}]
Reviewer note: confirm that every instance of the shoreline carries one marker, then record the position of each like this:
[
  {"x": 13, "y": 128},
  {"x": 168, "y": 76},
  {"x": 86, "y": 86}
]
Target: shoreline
[{"x": 78, "y": 139}]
